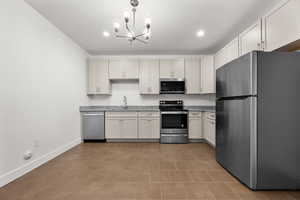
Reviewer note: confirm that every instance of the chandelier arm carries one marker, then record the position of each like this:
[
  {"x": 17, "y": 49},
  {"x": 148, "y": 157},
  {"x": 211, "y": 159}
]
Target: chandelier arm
[
  {"x": 140, "y": 35},
  {"x": 142, "y": 41},
  {"x": 122, "y": 36},
  {"x": 133, "y": 21},
  {"x": 128, "y": 29}
]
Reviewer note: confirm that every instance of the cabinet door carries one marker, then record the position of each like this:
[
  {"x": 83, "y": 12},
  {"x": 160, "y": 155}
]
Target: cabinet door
[
  {"x": 251, "y": 39},
  {"x": 113, "y": 128},
  {"x": 209, "y": 130},
  {"x": 218, "y": 59},
  {"x": 123, "y": 69},
  {"x": 212, "y": 131},
  {"x": 149, "y": 77},
  {"x": 282, "y": 25},
  {"x": 193, "y": 75},
  {"x": 171, "y": 68},
  {"x": 208, "y": 75},
  {"x": 129, "y": 128},
  {"x": 149, "y": 128},
  {"x": 98, "y": 81},
  {"x": 195, "y": 128},
  {"x": 232, "y": 50}
]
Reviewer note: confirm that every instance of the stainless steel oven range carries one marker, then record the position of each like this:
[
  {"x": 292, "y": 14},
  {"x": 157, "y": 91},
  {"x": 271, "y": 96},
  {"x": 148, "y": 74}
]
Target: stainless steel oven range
[{"x": 174, "y": 122}]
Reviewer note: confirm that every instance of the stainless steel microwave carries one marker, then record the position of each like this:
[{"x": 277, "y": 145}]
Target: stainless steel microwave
[{"x": 172, "y": 86}]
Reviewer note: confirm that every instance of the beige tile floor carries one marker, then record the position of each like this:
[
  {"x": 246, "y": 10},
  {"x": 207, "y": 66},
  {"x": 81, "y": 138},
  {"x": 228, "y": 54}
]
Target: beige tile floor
[{"x": 133, "y": 171}]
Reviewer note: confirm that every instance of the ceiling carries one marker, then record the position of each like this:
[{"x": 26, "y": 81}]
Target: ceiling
[{"x": 174, "y": 23}]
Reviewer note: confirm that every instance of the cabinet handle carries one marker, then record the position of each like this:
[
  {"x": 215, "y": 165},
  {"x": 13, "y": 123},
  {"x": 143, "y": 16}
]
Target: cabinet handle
[
  {"x": 263, "y": 44},
  {"x": 94, "y": 114},
  {"x": 258, "y": 46}
]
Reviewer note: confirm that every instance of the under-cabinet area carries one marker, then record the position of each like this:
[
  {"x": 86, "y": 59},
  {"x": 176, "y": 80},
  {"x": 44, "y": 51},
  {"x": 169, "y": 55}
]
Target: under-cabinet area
[{"x": 197, "y": 72}]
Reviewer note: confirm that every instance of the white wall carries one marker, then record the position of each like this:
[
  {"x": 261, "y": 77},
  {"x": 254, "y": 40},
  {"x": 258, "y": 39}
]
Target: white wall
[
  {"x": 42, "y": 85},
  {"x": 131, "y": 90}
]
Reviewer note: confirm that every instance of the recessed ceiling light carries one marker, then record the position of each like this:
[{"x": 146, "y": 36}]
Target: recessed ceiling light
[
  {"x": 200, "y": 33},
  {"x": 106, "y": 34}
]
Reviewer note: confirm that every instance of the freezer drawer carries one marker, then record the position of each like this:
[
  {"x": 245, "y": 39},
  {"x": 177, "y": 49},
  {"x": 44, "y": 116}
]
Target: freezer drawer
[
  {"x": 93, "y": 126},
  {"x": 235, "y": 138}
]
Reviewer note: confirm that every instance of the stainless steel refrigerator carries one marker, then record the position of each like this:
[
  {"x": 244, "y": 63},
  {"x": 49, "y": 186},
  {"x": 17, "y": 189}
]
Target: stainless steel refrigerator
[{"x": 258, "y": 119}]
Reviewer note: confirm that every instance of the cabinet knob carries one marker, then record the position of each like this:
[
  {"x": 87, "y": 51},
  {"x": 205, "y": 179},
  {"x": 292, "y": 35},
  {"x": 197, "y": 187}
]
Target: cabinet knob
[{"x": 258, "y": 45}]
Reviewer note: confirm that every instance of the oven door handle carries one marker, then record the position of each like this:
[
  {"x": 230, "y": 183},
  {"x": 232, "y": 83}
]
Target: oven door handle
[
  {"x": 174, "y": 112},
  {"x": 174, "y": 135}
]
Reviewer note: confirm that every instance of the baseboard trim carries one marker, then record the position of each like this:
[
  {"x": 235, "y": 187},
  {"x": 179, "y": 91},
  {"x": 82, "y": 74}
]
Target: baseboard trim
[
  {"x": 209, "y": 143},
  {"x": 197, "y": 141},
  {"x": 24, "y": 169}
]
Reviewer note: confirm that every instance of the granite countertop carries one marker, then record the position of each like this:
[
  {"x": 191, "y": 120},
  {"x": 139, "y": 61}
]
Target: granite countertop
[{"x": 139, "y": 108}]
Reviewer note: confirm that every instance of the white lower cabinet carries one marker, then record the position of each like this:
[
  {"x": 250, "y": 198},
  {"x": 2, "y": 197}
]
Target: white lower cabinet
[
  {"x": 149, "y": 128},
  {"x": 132, "y": 125},
  {"x": 195, "y": 125},
  {"x": 209, "y": 127},
  {"x": 149, "y": 125},
  {"x": 146, "y": 125},
  {"x": 121, "y": 125}
]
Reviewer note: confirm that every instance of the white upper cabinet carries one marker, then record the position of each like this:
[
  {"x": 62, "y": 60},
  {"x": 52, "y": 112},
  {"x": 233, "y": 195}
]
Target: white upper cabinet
[
  {"x": 282, "y": 25},
  {"x": 98, "y": 81},
  {"x": 219, "y": 58},
  {"x": 227, "y": 54},
  {"x": 149, "y": 76},
  {"x": 193, "y": 75},
  {"x": 123, "y": 69},
  {"x": 208, "y": 75},
  {"x": 171, "y": 68},
  {"x": 251, "y": 39},
  {"x": 232, "y": 50}
]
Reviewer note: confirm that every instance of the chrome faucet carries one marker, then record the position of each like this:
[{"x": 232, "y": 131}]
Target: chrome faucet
[{"x": 125, "y": 102}]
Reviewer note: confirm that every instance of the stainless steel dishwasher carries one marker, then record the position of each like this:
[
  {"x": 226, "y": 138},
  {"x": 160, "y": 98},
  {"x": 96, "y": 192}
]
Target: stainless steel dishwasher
[{"x": 93, "y": 126}]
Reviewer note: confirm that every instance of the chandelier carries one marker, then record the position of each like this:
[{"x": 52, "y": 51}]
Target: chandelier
[{"x": 129, "y": 31}]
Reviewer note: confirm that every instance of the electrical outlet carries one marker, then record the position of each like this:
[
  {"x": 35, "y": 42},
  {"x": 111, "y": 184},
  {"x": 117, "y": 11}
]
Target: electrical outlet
[{"x": 27, "y": 155}]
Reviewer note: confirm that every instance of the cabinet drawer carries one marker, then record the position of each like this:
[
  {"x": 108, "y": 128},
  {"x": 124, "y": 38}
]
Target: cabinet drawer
[
  {"x": 121, "y": 114},
  {"x": 149, "y": 114},
  {"x": 195, "y": 114}
]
